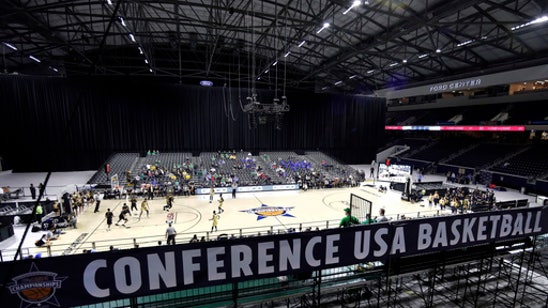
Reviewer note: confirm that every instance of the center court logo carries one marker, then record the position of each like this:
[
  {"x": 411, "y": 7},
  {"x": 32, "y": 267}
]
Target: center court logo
[
  {"x": 265, "y": 211},
  {"x": 36, "y": 287}
]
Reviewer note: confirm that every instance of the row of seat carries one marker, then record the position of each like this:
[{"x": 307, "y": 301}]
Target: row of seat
[
  {"x": 241, "y": 164},
  {"x": 523, "y": 159}
]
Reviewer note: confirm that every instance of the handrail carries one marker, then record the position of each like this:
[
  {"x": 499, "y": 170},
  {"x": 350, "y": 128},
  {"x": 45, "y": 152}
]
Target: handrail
[{"x": 159, "y": 238}]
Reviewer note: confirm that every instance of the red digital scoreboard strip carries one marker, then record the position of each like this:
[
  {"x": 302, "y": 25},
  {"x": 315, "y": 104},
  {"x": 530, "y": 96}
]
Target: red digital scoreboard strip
[{"x": 467, "y": 128}]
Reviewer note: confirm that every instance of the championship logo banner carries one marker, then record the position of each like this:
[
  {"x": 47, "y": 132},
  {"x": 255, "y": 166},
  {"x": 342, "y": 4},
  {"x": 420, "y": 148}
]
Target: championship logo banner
[
  {"x": 36, "y": 287},
  {"x": 106, "y": 276}
]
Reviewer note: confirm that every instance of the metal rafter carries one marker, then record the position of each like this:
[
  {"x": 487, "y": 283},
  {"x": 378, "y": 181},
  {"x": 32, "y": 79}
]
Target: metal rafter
[{"x": 184, "y": 39}]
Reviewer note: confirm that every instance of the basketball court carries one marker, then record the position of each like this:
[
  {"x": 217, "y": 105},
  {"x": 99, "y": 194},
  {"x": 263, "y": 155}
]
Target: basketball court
[{"x": 249, "y": 214}]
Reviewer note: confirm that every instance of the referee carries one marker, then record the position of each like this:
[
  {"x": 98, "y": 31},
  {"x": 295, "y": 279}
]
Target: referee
[{"x": 170, "y": 235}]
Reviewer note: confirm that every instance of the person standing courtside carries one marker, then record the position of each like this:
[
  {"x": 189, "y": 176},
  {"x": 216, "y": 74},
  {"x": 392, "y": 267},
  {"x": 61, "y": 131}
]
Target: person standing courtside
[
  {"x": 32, "y": 191},
  {"x": 150, "y": 192},
  {"x": 234, "y": 188},
  {"x": 98, "y": 197},
  {"x": 39, "y": 212},
  {"x": 42, "y": 189}
]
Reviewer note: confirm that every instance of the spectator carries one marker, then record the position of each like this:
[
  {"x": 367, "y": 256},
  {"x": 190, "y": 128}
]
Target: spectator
[
  {"x": 71, "y": 221},
  {"x": 368, "y": 220},
  {"x": 52, "y": 236},
  {"x": 381, "y": 217},
  {"x": 43, "y": 241},
  {"x": 348, "y": 220}
]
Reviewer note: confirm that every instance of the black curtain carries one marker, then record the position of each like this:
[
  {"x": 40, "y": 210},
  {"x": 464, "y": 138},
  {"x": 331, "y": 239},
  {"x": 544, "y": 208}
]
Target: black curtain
[{"x": 59, "y": 124}]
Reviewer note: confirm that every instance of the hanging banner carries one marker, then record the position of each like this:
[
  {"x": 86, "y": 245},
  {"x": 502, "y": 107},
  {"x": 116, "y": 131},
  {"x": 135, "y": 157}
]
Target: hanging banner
[{"x": 97, "y": 277}]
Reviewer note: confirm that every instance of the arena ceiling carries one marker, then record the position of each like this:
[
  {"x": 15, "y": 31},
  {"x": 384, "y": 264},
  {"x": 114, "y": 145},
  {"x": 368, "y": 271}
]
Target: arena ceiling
[{"x": 321, "y": 45}]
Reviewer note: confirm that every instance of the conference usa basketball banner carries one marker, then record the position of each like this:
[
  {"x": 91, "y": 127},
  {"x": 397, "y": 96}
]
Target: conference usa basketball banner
[{"x": 99, "y": 277}]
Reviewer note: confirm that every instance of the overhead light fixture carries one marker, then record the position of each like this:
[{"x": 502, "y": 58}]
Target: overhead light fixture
[
  {"x": 122, "y": 21},
  {"x": 393, "y": 64},
  {"x": 287, "y": 54},
  {"x": 438, "y": 50},
  {"x": 538, "y": 20},
  {"x": 465, "y": 43},
  {"x": 140, "y": 50},
  {"x": 352, "y": 77},
  {"x": 150, "y": 70},
  {"x": 354, "y": 4},
  {"x": 324, "y": 26},
  {"x": 34, "y": 58},
  {"x": 404, "y": 61},
  {"x": 132, "y": 37},
  {"x": 325, "y": 88},
  {"x": 109, "y": 2},
  {"x": 206, "y": 83},
  {"x": 53, "y": 69},
  {"x": 146, "y": 61},
  {"x": 9, "y": 46},
  {"x": 370, "y": 71},
  {"x": 275, "y": 62},
  {"x": 338, "y": 82},
  {"x": 424, "y": 55},
  {"x": 266, "y": 71},
  {"x": 302, "y": 43}
]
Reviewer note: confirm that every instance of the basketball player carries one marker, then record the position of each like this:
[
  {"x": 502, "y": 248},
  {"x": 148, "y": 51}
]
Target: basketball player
[
  {"x": 169, "y": 203},
  {"x": 211, "y": 194},
  {"x": 144, "y": 208},
  {"x": 215, "y": 220},
  {"x": 133, "y": 201},
  {"x": 109, "y": 215},
  {"x": 221, "y": 200},
  {"x": 122, "y": 216}
]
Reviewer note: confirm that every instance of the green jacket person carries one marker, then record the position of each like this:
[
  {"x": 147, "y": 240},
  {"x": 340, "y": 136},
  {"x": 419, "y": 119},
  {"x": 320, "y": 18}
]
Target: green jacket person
[{"x": 348, "y": 220}]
